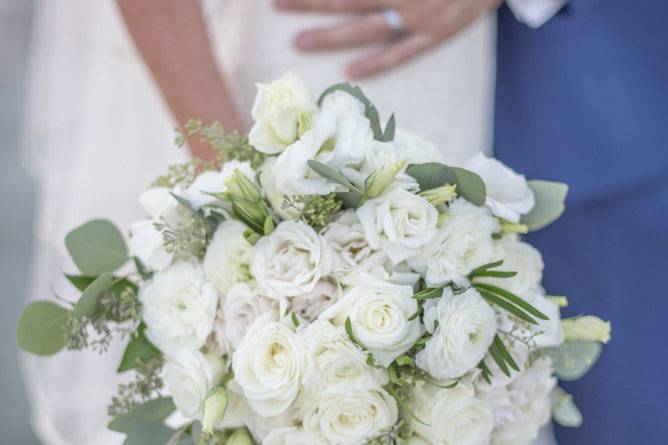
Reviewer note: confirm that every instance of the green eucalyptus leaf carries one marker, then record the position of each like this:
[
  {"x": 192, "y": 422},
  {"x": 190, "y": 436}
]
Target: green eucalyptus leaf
[
  {"x": 430, "y": 175},
  {"x": 573, "y": 359},
  {"x": 350, "y": 200},
  {"x": 149, "y": 433},
  {"x": 42, "y": 328},
  {"x": 370, "y": 110},
  {"x": 97, "y": 247},
  {"x": 81, "y": 282},
  {"x": 328, "y": 172},
  {"x": 549, "y": 204},
  {"x": 155, "y": 410},
  {"x": 390, "y": 129},
  {"x": 564, "y": 410},
  {"x": 87, "y": 304},
  {"x": 139, "y": 350}
]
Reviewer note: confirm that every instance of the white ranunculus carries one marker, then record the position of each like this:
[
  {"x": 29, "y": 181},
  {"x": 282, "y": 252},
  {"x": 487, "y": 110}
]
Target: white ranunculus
[
  {"x": 291, "y": 261},
  {"x": 335, "y": 363},
  {"x": 466, "y": 326},
  {"x": 214, "y": 182},
  {"x": 189, "y": 376},
  {"x": 508, "y": 195},
  {"x": 462, "y": 244},
  {"x": 519, "y": 257},
  {"x": 241, "y": 306},
  {"x": 351, "y": 417},
  {"x": 269, "y": 367},
  {"x": 280, "y": 110},
  {"x": 147, "y": 244},
  {"x": 310, "y": 305},
  {"x": 456, "y": 415},
  {"x": 526, "y": 405},
  {"x": 546, "y": 333},
  {"x": 229, "y": 256},
  {"x": 179, "y": 307},
  {"x": 339, "y": 137},
  {"x": 398, "y": 222},
  {"x": 379, "y": 313},
  {"x": 292, "y": 436}
]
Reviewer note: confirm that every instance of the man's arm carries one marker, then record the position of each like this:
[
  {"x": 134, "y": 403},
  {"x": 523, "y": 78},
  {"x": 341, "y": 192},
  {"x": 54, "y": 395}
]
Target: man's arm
[{"x": 171, "y": 37}]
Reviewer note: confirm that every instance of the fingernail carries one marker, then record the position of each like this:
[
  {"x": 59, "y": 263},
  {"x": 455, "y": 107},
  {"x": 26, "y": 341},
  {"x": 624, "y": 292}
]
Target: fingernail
[{"x": 304, "y": 41}]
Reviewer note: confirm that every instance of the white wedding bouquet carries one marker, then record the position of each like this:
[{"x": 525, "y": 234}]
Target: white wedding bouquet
[{"x": 327, "y": 280}]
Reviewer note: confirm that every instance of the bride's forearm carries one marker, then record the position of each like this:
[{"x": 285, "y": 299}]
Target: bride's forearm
[{"x": 171, "y": 37}]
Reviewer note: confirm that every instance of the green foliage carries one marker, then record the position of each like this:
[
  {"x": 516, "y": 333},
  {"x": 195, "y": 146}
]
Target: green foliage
[
  {"x": 187, "y": 238},
  {"x": 41, "y": 329},
  {"x": 549, "y": 204},
  {"x": 97, "y": 247},
  {"x": 315, "y": 210},
  {"x": 370, "y": 110},
  {"x": 502, "y": 357},
  {"x": 153, "y": 432},
  {"x": 573, "y": 359},
  {"x": 139, "y": 350},
  {"x": 486, "y": 271},
  {"x": 509, "y": 302},
  {"x": 88, "y": 302},
  {"x": 432, "y": 174},
  {"x": 183, "y": 174},
  {"x": 128, "y": 405}
]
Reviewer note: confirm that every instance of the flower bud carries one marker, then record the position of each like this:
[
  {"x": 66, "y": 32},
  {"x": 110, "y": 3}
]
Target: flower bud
[
  {"x": 377, "y": 182},
  {"x": 586, "y": 328},
  {"x": 215, "y": 406},
  {"x": 239, "y": 437},
  {"x": 240, "y": 187},
  {"x": 440, "y": 195}
]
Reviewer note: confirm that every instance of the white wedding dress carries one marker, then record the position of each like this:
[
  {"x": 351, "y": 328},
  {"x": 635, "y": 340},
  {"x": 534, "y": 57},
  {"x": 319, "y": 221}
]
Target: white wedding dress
[{"x": 98, "y": 132}]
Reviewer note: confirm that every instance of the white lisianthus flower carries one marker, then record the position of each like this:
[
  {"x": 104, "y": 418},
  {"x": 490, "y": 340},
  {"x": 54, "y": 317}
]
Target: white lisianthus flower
[
  {"x": 159, "y": 202},
  {"x": 462, "y": 244},
  {"x": 379, "y": 313},
  {"x": 269, "y": 367},
  {"x": 179, "y": 307},
  {"x": 310, "y": 305},
  {"x": 292, "y": 436},
  {"x": 291, "y": 261},
  {"x": 214, "y": 182},
  {"x": 398, "y": 222},
  {"x": 508, "y": 195},
  {"x": 352, "y": 417},
  {"x": 241, "y": 306},
  {"x": 529, "y": 395},
  {"x": 189, "y": 376},
  {"x": 339, "y": 137},
  {"x": 416, "y": 149},
  {"x": 456, "y": 415},
  {"x": 335, "y": 363},
  {"x": 521, "y": 257},
  {"x": 229, "y": 256},
  {"x": 280, "y": 111},
  {"x": 466, "y": 326},
  {"x": 147, "y": 244},
  {"x": 276, "y": 199}
]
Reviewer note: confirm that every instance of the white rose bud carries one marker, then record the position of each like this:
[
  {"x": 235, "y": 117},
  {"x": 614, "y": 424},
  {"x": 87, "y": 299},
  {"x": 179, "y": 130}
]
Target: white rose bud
[
  {"x": 398, "y": 222},
  {"x": 291, "y": 261},
  {"x": 466, "y": 326},
  {"x": 215, "y": 405},
  {"x": 508, "y": 195},
  {"x": 229, "y": 256},
  {"x": 243, "y": 305},
  {"x": 179, "y": 307}
]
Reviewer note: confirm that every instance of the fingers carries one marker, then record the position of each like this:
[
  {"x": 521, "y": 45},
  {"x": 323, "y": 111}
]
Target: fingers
[
  {"x": 363, "y": 31},
  {"x": 336, "y": 6},
  {"x": 396, "y": 54}
]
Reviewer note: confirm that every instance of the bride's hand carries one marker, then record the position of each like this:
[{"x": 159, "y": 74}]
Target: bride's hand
[{"x": 424, "y": 24}]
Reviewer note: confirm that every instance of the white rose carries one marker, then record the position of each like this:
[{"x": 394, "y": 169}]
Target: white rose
[
  {"x": 508, "y": 195},
  {"x": 214, "y": 182},
  {"x": 278, "y": 110},
  {"x": 348, "y": 242},
  {"x": 456, "y": 415},
  {"x": 379, "y": 313},
  {"x": 292, "y": 436},
  {"x": 351, "y": 418},
  {"x": 229, "y": 256},
  {"x": 466, "y": 326},
  {"x": 546, "y": 333},
  {"x": 334, "y": 363},
  {"x": 189, "y": 376},
  {"x": 530, "y": 405},
  {"x": 462, "y": 244},
  {"x": 339, "y": 137},
  {"x": 519, "y": 257},
  {"x": 398, "y": 222},
  {"x": 310, "y": 305},
  {"x": 240, "y": 308},
  {"x": 291, "y": 260},
  {"x": 147, "y": 244},
  {"x": 269, "y": 366},
  {"x": 179, "y": 307}
]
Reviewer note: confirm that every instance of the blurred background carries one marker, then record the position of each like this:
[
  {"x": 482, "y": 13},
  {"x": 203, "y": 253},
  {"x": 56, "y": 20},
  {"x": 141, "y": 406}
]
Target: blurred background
[{"x": 17, "y": 194}]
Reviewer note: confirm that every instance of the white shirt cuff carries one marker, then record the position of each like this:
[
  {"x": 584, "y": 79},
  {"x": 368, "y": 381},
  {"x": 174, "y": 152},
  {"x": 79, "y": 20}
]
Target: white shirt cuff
[{"x": 535, "y": 13}]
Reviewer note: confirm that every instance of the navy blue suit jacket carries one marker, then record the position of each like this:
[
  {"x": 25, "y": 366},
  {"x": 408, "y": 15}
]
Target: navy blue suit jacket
[{"x": 584, "y": 100}]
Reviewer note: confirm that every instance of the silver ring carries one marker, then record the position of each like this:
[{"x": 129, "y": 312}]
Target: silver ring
[{"x": 392, "y": 19}]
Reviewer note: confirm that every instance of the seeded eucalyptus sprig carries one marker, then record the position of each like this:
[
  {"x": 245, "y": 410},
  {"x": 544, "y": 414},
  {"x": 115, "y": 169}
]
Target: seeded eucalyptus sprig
[{"x": 315, "y": 210}]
